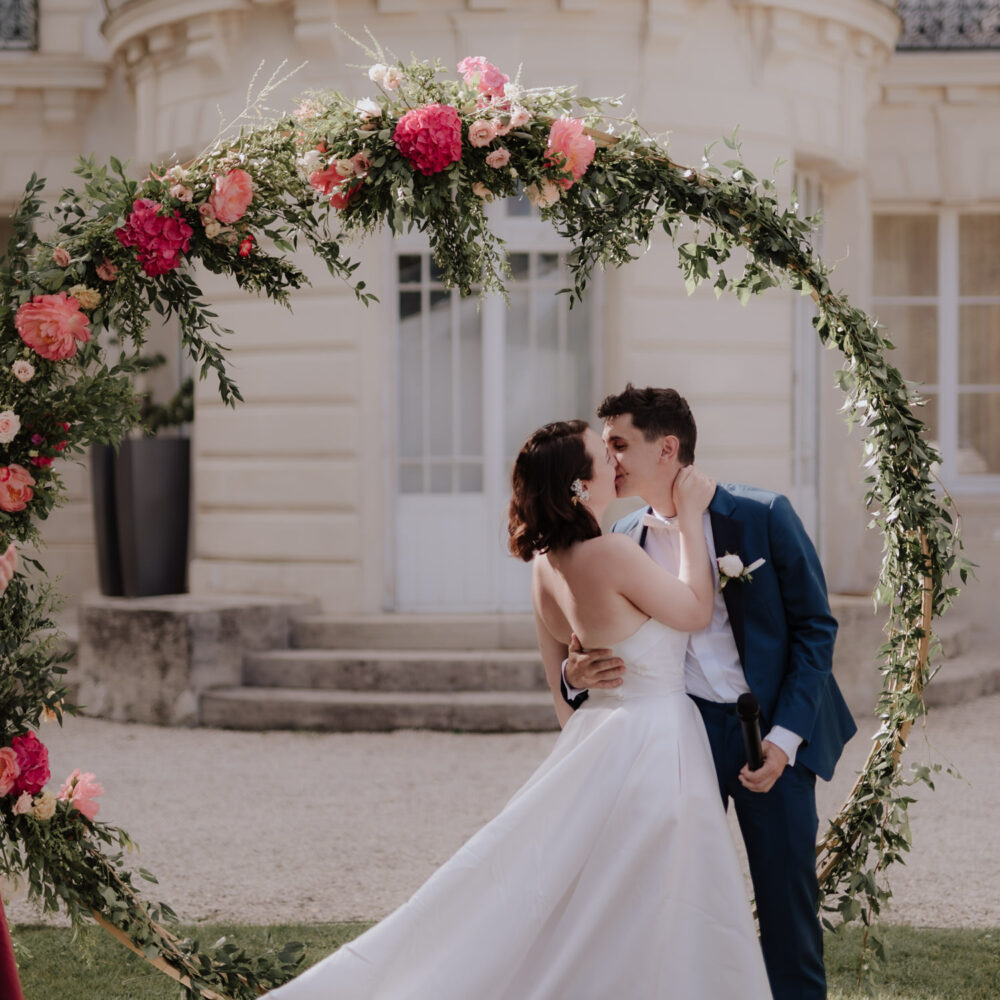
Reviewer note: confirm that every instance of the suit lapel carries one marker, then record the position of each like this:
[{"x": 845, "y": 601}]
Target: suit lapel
[{"x": 728, "y": 535}]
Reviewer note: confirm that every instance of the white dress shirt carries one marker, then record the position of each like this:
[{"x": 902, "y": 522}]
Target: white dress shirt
[{"x": 712, "y": 668}]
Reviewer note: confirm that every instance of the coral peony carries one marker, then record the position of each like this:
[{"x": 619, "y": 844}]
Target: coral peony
[
  {"x": 233, "y": 194},
  {"x": 161, "y": 239},
  {"x": 10, "y": 424},
  {"x": 15, "y": 488},
  {"x": 51, "y": 325},
  {"x": 9, "y": 770},
  {"x": 33, "y": 760},
  {"x": 80, "y": 790},
  {"x": 430, "y": 137},
  {"x": 569, "y": 149},
  {"x": 488, "y": 79}
]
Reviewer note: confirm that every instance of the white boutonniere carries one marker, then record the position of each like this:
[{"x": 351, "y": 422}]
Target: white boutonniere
[{"x": 731, "y": 568}]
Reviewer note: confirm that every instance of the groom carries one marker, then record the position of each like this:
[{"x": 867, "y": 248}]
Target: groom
[{"x": 772, "y": 635}]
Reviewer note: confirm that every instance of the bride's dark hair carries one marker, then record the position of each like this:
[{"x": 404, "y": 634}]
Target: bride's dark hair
[{"x": 542, "y": 514}]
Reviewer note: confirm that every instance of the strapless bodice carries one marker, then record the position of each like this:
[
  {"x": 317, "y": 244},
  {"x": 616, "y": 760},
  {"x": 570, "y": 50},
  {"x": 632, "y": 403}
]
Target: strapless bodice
[{"x": 654, "y": 663}]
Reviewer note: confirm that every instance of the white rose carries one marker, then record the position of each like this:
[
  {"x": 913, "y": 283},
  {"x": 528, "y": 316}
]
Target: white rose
[
  {"x": 519, "y": 116},
  {"x": 45, "y": 806},
  {"x": 730, "y": 565},
  {"x": 377, "y": 73},
  {"x": 511, "y": 91},
  {"x": 392, "y": 79},
  {"x": 10, "y": 424},
  {"x": 310, "y": 162},
  {"x": 368, "y": 108}
]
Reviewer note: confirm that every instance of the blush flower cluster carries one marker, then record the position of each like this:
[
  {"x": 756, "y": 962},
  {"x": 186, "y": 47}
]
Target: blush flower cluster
[{"x": 160, "y": 239}]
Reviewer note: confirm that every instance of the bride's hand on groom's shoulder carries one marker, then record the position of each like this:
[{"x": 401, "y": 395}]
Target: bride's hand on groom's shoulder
[{"x": 692, "y": 491}]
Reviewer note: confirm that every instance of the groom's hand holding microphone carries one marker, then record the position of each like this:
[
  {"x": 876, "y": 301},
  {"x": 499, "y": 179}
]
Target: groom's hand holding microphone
[{"x": 765, "y": 761}]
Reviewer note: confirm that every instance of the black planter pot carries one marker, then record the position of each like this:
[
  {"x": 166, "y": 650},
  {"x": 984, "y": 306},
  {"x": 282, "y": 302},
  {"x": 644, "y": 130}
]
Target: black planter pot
[{"x": 145, "y": 516}]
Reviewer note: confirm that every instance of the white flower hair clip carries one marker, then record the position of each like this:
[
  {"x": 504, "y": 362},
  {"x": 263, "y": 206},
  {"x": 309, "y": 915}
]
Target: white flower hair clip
[
  {"x": 580, "y": 492},
  {"x": 731, "y": 568}
]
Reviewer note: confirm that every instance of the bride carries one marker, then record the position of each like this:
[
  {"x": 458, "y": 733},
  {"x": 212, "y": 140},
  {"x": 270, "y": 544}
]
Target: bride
[{"x": 611, "y": 873}]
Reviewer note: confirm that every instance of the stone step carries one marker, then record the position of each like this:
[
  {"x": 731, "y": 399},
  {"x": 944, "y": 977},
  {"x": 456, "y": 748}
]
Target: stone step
[
  {"x": 355, "y": 711},
  {"x": 971, "y": 676},
  {"x": 391, "y": 631},
  {"x": 396, "y": 670}
]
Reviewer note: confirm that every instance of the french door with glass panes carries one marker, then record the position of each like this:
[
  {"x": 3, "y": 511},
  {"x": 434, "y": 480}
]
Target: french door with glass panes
[{"x": 473, "y": 379}]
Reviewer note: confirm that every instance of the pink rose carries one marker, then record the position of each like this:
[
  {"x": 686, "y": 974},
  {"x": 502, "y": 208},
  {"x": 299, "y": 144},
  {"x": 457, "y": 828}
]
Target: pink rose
[
  {"x": 246, "y": 246},
  {"x": 24, "y": 371},
  {"x": 569, "y": 149},
  {"x": 519, "y": 116},
  {"x": 498, "y": 158},
  {"x": 430, "y": 137},
  {"x": 361, "y": 162},
  {"x": 33, "y": 760},
  {"x": 80, "y": 790},
  {"x": 10, "y": 424},
  {"x": 51, "y": 325},
  {"x": 233, "y": 194},
  {"x": 9, "y": 770},
  {"x": 60, "y": 257},
  {"x": 543, "y": 195},
  {"x": 342, "y": 197},
  {"x": 107, "y": 271},
  {"x": 482, "y": 132},
  {"x": 181, "y": 192},
  {"x": 23, "y": 805},
  {"x": 487, "y": 78},
  {"x": 15, "y": 488}
]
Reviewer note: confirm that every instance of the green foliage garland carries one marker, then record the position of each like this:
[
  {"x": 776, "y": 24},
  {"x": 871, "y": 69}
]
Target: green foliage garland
[{"x": 279, "y": 183}]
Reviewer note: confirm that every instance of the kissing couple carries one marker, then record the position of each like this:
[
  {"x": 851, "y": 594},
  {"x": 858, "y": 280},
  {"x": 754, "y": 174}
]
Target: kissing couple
[{"x": 611, "y": 873}]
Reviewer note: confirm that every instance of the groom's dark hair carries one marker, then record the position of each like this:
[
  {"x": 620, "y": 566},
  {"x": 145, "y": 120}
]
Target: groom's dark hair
[{"x": 657, "y": 413}]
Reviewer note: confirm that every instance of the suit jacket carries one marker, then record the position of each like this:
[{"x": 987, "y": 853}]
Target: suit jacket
[{"x": 781, "y": 620}]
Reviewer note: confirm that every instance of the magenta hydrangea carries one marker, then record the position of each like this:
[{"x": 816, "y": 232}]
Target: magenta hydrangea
[
  {"x": 430, "y": 137},
  {"x": 160, "y": 239}
]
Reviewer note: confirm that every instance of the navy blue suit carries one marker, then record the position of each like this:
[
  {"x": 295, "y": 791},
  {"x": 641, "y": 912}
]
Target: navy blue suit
[{"x": 785, "y": 633}]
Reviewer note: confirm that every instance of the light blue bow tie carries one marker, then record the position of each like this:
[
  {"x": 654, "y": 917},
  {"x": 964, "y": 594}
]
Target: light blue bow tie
[{"x": 652, "y": 521}]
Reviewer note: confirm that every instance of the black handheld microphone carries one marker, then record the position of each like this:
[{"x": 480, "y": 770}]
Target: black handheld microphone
[{"x": 749, "y": 712}]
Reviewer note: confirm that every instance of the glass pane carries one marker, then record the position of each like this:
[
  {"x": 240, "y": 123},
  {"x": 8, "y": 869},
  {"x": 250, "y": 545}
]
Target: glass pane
[
  {"x": 436, "y": 271},
  {"x": 411, "y": 478},
  {"x": 470, "y": 478},
  {"x": 551, "y": 378},
  {"x": 979, "y": 345},
  {"x": 518, "y": 206},
  {"x": 470, "y": 387},
  {"x": 519, "y": 387},
  {"x": 411, "y": 384},
  {"x": 579, "y": 352},
  {"x": 906, "y": 259},
  {"x": 409, "y": 269},
  {"x": 913, "y": 329},
  {"x": 409, "y": 304},
  {"x": 979, "y": 434},
  {"x": 440, "y": 382},
  {"x": 518, "y": 265},
  {"x": 979, "y": 255},
  {"x": 548, "y": 265},
  {"x": 441, "y": 478}
]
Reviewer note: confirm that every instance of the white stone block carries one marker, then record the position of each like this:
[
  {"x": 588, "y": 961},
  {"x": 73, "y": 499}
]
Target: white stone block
[
  {"x": 308, "y": 536},
  {"x": 276, "y": 431}
]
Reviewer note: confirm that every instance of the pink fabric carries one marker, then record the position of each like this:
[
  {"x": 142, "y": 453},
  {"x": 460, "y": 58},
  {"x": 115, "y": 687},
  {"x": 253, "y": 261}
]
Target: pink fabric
[{"x": 10, "y": 985}]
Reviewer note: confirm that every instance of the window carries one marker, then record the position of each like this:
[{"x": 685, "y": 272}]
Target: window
[{"x": 937, "y": 290}]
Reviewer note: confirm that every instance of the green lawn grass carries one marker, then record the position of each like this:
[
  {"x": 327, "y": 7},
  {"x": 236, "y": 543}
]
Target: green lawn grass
[{"x": 923, "y": 963}]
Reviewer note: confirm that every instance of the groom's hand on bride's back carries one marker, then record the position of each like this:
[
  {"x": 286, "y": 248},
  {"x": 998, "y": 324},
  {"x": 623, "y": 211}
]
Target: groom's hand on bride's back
[{"x": 595, "y": 668}]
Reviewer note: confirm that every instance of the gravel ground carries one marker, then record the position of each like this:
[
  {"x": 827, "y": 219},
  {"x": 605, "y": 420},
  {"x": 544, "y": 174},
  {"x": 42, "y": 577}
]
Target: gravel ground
[{"x": 284, "y": 827}]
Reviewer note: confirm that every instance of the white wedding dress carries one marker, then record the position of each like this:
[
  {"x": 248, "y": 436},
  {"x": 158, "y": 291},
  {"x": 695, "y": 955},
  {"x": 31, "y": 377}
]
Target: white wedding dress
[{"x": 610, "y": 875}]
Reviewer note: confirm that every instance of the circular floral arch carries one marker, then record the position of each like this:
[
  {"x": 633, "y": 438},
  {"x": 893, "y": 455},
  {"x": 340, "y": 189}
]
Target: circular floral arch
[{"x": 429, "y": 152}]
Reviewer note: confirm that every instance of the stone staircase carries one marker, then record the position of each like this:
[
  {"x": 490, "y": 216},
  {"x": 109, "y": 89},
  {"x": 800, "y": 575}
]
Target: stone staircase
[{"x": 383, "y": 672}]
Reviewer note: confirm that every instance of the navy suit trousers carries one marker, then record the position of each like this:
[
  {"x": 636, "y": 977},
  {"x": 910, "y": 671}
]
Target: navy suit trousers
[{"x": 779, "y": 831}]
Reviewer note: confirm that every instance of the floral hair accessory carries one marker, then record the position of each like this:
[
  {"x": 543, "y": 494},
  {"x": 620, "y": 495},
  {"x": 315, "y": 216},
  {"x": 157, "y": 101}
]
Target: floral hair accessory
[{"x": 580, "y": 492}]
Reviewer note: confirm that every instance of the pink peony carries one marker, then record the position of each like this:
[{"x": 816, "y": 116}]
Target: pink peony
[
  {"x": 23, "y": 805},
  {"x": 15, "y": 488},
  {"x": 161, "y": 239},
  {"x": 51, "y": 325},
  {"x": 482, "y": 132},
  {"x": 233, "y": 193},
  {"x": 80, "y": 790},
  {"x": 9, "y": 770},
  {"x": 60, "y": 257},
  {"x": 498, "y": 158},
  {"x": 430, "y": 137},
  {"x": 488, "y": 79},
  {"x": 107, "y": 271},
  {"x": 569, "y": 149},
  {"x": 33, "y": 760}
]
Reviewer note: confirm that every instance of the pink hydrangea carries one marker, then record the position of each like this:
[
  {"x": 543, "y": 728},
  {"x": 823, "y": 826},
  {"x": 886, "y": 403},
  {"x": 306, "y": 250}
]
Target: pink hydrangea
[
  {"x": 430, "y": 137},
  {"x": 15, "y": 488},
  {"x": 51, "y": 325},
  {"x": 569, "y": 149},
  {"x": 160, "y": 239},
  {"x": 80, "y": 790},
  {"x": 488, "y": 79},
  {"x": 232, "y": 196},
  {"x": 33, "y": 761}
]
